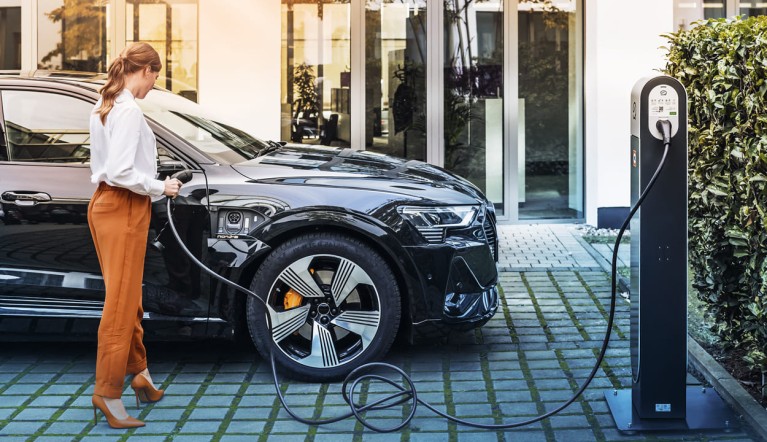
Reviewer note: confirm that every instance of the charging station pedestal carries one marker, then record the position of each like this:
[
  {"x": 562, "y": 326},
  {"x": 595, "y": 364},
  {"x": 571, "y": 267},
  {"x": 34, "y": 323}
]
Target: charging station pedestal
[{"x": 659, "y": 398}]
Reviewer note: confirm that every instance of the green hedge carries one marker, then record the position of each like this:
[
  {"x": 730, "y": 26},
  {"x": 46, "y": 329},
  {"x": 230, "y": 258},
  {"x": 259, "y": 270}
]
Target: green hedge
[{"x": 723, "y": 65}]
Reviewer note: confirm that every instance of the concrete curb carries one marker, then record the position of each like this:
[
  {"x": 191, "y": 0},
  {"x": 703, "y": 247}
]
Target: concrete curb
[{"x": 729, "y": 388}]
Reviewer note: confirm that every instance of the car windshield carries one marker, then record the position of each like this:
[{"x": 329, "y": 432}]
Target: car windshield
[{"x": 188, "y": 120}]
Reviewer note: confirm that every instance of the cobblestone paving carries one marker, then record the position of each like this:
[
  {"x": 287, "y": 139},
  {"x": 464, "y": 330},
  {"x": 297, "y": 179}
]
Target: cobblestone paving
[
  {"x": 528, "y": 359},
  {"x": 606, "y": 252},
  {"x": 542, "y": 247}
]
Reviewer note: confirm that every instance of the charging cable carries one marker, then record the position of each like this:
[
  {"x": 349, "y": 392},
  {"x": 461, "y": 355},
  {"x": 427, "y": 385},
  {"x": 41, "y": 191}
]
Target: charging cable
[{"x": 409, "y": 393}]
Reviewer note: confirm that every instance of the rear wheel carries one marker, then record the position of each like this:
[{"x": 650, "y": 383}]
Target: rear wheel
[{"x": 333, "y": 303}]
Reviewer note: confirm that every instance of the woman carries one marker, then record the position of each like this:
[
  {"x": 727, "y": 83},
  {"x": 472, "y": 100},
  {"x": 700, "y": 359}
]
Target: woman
[{"x": 123, "y": 162}]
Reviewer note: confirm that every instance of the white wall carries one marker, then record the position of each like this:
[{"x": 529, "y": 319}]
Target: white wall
[
  {"x": 622, "y": 45},
  {"x": 239, "y": 65}
]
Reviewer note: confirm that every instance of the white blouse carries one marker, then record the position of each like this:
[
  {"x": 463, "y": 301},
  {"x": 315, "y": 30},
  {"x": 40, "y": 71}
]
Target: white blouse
[{"x": 124, "y": 150}]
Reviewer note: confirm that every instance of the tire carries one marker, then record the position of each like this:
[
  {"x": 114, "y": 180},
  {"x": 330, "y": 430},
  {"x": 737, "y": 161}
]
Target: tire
[{"x": 347, "y": 312}]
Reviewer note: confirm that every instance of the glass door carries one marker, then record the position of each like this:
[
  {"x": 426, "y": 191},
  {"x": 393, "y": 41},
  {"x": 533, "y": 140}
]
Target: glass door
[
  {"x": 488, "y": 89},
  {"x": 473, "y": 113},
  {"x": 316, "y": 72},
  {"x": 550, "y": 152},
  {"x": 395, "y": 77}
]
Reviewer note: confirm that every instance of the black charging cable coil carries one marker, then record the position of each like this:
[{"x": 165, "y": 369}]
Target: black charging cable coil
[{"x": 409, "y": 392}]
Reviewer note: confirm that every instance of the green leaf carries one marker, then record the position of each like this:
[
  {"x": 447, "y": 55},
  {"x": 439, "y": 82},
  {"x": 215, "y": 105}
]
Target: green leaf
[
  {"x": 716, "y": 191},
  {"x": 723, "y": 65}
]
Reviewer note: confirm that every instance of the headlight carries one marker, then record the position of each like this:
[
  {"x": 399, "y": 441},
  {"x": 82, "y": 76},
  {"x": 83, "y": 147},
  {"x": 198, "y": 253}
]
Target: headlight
[{"x": 432, "y": 222}]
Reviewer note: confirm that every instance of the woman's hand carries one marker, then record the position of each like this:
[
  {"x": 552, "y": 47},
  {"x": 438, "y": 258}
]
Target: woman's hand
[{"x": 172, "y": 186}]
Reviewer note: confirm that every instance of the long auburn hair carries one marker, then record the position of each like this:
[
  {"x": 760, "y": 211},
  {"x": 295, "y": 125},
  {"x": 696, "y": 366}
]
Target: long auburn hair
[{"x": 132, "y": 59}]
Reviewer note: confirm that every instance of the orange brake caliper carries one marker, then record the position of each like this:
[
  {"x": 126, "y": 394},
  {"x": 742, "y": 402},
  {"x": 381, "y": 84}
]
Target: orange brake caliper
[{"x": 292, "y": 299}]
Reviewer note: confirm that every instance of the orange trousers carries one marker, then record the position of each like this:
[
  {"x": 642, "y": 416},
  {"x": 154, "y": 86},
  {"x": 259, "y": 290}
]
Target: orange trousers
[{"x": 119, "y": 223}]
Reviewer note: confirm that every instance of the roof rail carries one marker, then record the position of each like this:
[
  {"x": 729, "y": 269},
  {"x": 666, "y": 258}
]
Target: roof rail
[{"x": 45, "y": 73}]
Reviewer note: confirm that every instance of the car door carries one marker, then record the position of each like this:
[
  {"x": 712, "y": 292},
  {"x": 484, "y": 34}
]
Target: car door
[
  {"x": 48, "y": 263},
  {"x": 47, "y": 260}
]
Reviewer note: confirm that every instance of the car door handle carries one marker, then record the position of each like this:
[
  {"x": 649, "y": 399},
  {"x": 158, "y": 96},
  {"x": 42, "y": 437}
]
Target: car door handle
[{"x": 25, "y": 198}]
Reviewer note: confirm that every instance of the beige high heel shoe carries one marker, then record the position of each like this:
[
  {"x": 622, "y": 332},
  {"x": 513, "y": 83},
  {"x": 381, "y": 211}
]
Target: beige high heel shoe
[
  {"x": 144, "y": 390},
  {"x": 128, "y": 422}
]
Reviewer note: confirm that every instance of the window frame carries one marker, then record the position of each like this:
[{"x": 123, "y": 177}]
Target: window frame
[
  {"x": 731, "y": 10},
  {"x": 6, "y": 160},
  {"x": 5, "y": 153},
  {"x": 163, "y": 136}
]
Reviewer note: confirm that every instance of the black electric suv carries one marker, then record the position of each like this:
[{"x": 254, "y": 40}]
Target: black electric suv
[{"x": 348, "y": 248}]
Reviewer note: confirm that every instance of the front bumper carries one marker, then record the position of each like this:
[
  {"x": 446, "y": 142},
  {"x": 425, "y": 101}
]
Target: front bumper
[
  {"x": 460, "y": 292},
  {"x": 470, "y": 310}
]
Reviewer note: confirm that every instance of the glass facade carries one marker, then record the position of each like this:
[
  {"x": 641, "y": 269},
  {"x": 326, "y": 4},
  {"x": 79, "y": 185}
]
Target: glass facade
[
  {"x": 446, "y": 82},
  {"x": 473, "y": 93},
  {"x": 714, "y": 9},
  {"x": 395, "y": 77},
  {"x": 78, "y": 35},
  {"x": 688, "y": 12},
  {"x": 72, "y": 35},
  {"x": 550, "y": 146},
  {"x": 171, "y": 28},
  {"x": 749, "y": 8},
  {"x": 316, "y": 71},
  {"x": 10, "y": 38}
]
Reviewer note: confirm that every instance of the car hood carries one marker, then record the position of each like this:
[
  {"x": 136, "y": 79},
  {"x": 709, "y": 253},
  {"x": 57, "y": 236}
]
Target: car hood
[{"x": 348, "y": 168}]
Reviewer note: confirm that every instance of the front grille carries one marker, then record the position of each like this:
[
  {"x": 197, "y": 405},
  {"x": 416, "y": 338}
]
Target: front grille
[
  {"x": 434, "y": 235},
  {"x": 490, "y": 234}
]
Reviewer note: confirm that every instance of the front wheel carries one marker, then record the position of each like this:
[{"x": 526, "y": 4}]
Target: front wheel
[{"x": 333, "y": 305}]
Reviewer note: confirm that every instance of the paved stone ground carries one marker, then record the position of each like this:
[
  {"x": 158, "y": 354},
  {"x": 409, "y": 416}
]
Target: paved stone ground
[
  {"x": 606, "y": 252},
  {"x": 528, "y": 359}
]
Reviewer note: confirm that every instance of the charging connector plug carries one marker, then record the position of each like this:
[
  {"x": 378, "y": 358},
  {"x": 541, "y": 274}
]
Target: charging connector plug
[{"x": 664, "y": 127}]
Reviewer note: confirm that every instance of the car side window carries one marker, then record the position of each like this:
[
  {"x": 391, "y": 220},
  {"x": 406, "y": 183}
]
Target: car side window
[
  {"x": 164, "y": 155},
  {"x": 46, "y": 127}
]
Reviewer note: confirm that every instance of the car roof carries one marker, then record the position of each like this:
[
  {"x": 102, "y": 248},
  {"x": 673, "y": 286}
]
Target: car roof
[
  {"x": 86, "y": 80},
  {"x": 89, "y": 80},
  {"x": 85, "y": 77}
]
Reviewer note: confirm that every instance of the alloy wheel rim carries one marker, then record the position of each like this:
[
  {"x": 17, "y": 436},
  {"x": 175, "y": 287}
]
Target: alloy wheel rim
[{"x": 338, "y": 317}]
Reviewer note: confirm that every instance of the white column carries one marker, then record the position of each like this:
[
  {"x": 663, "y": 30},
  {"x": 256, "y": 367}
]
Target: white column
[
  {"x": 591, "y": 109},
  {"x": 513, "y": 145},
  {"x": 28, "y": 32},
  {"x": 239, "y": 63},
  {"x": 435, "y": 145},
  {"x": 358, "y": 75},
  {"x": 623, "y": 44},
  {"x": 575, "y": 109},
  {"x": 117, "y": 18}
]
